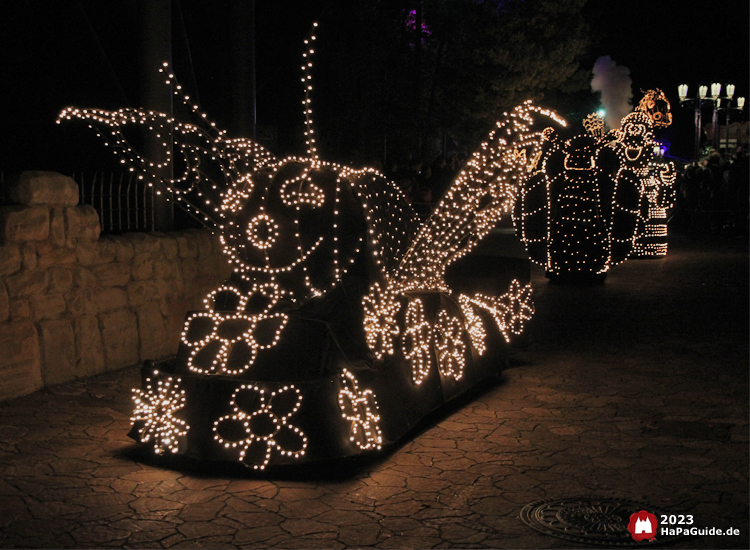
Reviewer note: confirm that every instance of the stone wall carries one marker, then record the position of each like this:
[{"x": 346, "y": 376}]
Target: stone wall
[{"x": 74, "y": 304}]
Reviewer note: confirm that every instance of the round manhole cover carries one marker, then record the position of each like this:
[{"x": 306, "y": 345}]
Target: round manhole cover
[{"x": 601, "y": 521}]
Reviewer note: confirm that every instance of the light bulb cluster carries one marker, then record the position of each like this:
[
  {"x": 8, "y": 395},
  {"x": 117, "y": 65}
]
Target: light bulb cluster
[
  {"x": 510, "y": 310},
  {"x": 157, "y": 408},
  {"x": 226, "y": 343},
  {"x": 449, "y": 345},
  {"x": 292, "y": 228},
  {"x": 416, "y": 344},
  {"x": 194, "y": 160},
  {"x": 656, "y": 105},
  {"x": 483, "y": 191},
  {"x": 445, "y": 335},
  {"x": 474, "y": 324},
  {"x": 594, "y": 125},
  {"x": 360, "y": 409},
  {"x": 307, "y": 65},
  {"x": 594, "y": 199},
  {"x": 380, "y": 323},
  {"x": 262, "y": 419},
  {"x": 229, "y": 298}
]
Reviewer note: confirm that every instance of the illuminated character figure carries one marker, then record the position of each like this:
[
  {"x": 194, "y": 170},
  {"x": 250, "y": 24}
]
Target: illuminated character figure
[
  {"x": 576, "y": 217},
  {"x": 656, "y": 105},
  {"x": 638, "y": 162},
  {"x": 337, "y": 331},
  {"x": 657, "y": 182},
  {"x": 594, "y": 200}
]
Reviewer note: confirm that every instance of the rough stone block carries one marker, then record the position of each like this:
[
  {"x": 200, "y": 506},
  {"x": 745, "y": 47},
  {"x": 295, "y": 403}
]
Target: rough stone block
[
  {"x": 120, "y": 338},
  {"x": 169, "y": 247},
  {"x": 82, "y": 223},
  {"x": 49, "y": 256},
  {"x": 164, "y": 269},
  {"x": 141, "y": 292},
  {"x": 83, "y": 277},
  {"x": 142, "y": 243},
  {"x": 19, "y": 224},
  {"x": 123, "y": 248},
  {"x": 60, "y": 279},
  {"x": 205, "y": 245},
  {"x": 187, "y": 245},
  {"x": 177, "y": 280},
  {"x": 89, "y": 346},
  {"x": 28, "y": 255},
  {"x": 153, "y": 333},
  {"x": 190, "y": 270},
  {"x": 99, "y": 252},
  {"x": 113, "y": 274},
  {"x": 47, "y": 306},
  {"x": 27, "y": 283},
  {"x": 82, "y": 301},
  {"x": 58, "y": 351},
  {"x": 143, "y": 267},
  {"x": 10, "y": 259},
  {"x": 37, "y": 187},
  {"x": 20, "y": 364},
  {"x": 57, "y": 227},
  {"x": 19, "y": 309},
  {"x": 107, "y": 299},
  {"x": 4, "y": 304}
]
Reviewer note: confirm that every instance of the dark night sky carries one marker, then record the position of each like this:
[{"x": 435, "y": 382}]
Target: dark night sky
[{"x": 82, "y": 52}]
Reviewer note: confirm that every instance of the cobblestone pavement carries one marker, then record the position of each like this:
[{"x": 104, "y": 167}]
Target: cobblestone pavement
[{"x": 636, "y": 389}]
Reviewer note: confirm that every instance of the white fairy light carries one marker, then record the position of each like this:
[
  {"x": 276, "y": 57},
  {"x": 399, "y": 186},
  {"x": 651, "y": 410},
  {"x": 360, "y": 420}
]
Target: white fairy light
[
  {"x": 360, "y": 408},
  {"x": 292, "y": 229},
  {"x": 576, "y": 217},
  {"x": 156, "y": 408},
  {"x": 266, "y": 429}
]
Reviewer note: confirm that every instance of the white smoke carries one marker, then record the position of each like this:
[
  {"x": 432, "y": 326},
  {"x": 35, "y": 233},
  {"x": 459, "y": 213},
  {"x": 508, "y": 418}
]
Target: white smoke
[{"x": 615, "y": 86}]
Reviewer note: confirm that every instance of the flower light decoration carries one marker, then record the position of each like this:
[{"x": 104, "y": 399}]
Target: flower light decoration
[
  {"x": 157, "y": 407},
  {"x": 361, "y": 409},
  {"x": 337, "y": 330},
  {"x": 598, "y": 198},
  {"x": 259, "y": 425}
]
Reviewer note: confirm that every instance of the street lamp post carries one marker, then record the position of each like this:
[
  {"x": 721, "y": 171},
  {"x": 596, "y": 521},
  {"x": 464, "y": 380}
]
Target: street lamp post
[{"x": 714, "y": 100}]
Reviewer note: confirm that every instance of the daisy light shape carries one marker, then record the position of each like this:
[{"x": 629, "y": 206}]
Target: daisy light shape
[{"x": 259, "y": 425}]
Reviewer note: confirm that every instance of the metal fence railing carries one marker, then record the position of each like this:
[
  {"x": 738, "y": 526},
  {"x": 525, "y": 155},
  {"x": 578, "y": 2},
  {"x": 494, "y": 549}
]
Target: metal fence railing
[{"x": 123, "y": 202}]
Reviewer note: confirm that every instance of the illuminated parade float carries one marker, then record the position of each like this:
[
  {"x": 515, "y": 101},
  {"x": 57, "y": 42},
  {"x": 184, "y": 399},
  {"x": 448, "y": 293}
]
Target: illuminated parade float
[
  {"x": 597, "y": 199},
  {"x": 337, "y": 331}
]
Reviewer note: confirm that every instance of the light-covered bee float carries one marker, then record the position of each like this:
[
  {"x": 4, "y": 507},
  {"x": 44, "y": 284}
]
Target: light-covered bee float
[{"x": 337, "y": 331}]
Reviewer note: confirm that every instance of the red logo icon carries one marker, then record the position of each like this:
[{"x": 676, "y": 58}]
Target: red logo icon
[{"x": 642, "y": 525}]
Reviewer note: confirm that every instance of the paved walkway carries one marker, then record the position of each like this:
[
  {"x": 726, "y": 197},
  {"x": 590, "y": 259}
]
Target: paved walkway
[{"x": 636, "y": 389}]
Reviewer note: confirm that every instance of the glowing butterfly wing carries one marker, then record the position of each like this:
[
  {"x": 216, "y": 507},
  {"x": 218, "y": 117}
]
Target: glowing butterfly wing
[
  {"x": 191, "y": 158},
  {"x": 391, "y": 221},
  {"x": 196, "y": 163},
  {"x": 484, "y": 190}
]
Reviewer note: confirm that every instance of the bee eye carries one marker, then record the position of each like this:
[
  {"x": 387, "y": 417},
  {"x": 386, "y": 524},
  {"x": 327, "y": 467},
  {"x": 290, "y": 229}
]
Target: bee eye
[
  {"x": 302, "y": 191},
  {"x": 262, "y": 231}
]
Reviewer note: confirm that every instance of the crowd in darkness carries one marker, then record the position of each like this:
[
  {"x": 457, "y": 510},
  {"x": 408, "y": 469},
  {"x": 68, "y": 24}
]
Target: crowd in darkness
[
  {"x": 713, "y": 195},
  {"x": 424, "y": 183}
]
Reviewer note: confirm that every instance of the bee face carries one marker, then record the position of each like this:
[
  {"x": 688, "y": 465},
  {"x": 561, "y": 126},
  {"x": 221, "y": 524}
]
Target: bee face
[
  {"x": 636, "y": 135},
  {"x": 284, "y": 222}
]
